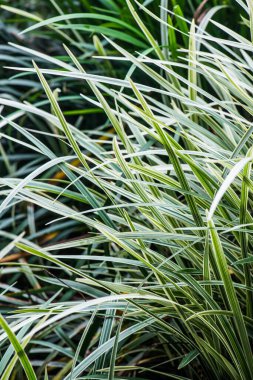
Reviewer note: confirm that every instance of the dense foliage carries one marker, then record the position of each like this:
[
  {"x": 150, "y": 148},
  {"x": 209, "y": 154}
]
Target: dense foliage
[{"x": 126, "y": 190}]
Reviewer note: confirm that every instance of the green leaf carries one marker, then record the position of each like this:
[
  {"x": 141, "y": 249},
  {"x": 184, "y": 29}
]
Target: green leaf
[
  {"x": 19, "y": 350},
  {"x": 187, "y": 359}
]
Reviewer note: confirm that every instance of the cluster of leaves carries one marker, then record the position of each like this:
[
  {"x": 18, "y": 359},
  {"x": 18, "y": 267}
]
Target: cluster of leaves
[{"x": 126, "y": 191}]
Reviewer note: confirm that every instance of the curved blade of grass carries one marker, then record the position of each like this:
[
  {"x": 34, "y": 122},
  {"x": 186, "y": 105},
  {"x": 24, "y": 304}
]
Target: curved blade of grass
[
  {"x": 231, "y": 295},
  {"x": 19, "y": 350}
]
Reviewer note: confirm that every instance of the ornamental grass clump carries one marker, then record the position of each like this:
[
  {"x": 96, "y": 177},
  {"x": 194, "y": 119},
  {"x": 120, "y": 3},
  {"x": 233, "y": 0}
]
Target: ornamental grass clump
[{"x": 143, "y": 264}]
